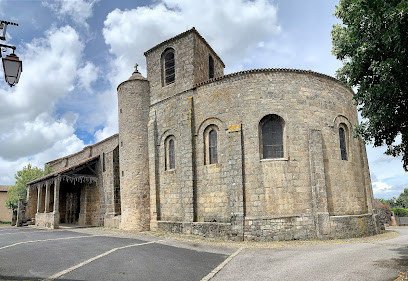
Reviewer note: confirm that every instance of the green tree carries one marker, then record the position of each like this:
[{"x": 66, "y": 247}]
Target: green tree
[
  {"x": 402, "y": 200},
  {"x": 19, "y": 190},
  {"x": 372, "y": 42}
]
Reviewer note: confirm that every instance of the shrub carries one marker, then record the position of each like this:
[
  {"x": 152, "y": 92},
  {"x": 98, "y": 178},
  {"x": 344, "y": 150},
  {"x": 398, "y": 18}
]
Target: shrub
[
  {"x": 400, "y": 212},
  {"x": 384, "y": 213}
]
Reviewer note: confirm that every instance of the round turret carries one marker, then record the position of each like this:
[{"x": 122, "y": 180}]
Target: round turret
[{"x": 133, "y": 105}]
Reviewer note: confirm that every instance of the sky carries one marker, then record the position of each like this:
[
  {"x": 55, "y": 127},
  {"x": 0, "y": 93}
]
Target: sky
[{"x": 76, "y": 52}]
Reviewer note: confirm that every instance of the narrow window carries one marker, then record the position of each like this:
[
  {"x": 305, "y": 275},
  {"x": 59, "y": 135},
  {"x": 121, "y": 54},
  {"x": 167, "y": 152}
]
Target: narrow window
[
  {"x": 103, "y": 162},
  {"x": 169, "y": 67},
  {"x": 343, "y": 148},
  {"x": 211, "y": 67},
  {"x": 212, "y": 146},
  {"x": 272, "y": 137},
  {"x": 170, "y": 161}
]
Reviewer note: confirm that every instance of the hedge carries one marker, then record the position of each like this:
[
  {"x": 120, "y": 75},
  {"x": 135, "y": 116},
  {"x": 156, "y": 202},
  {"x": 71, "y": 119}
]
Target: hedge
[{"x": 400, "y": 212}]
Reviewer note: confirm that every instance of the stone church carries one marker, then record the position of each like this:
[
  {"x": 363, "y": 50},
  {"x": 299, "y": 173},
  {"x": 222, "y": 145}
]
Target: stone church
[{"x": 261, "y": 154}]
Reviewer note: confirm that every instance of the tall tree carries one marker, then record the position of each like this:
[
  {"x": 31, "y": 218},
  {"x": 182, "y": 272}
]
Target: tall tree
[
  {"x": 19, "y": 190},
  {"x": 372, "y": 42}
]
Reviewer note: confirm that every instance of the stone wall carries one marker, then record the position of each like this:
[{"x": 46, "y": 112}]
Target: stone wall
[
  {"x": 133, "y": 102},
  {"x": 184, "y": 68},
  {"x": 46, "y": 220},
  {"x": 97, "y": 200},
  {"x": 288, "y": 198},
  {"x": 201, "y": 61},
  {"x": 353, "y": 226}
]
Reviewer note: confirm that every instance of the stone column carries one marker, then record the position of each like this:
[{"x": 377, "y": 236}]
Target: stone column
[
  {"x": 47, "y": 197},
  {"x": 39, "y": 198},
  {"x": 318, "y": 184},
  {"x": 236, "y": 192}
]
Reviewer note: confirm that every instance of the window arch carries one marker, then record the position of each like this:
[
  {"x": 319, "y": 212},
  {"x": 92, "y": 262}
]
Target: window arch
[
  {"x": 343, "y": 138},
  {"x": 211, "y": 66},
  {"x": 271, "y": 137},
  {"x": 211, "y": 145},
  {"x": 168, "y": 67},
  {"x": 170, "y": 153}
]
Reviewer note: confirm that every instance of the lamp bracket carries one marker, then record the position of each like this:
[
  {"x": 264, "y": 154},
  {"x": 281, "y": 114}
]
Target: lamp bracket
[{"x": 3, "y": 26}]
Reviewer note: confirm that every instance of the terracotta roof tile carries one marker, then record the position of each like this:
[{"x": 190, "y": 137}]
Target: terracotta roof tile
[
  {"x": 4, "y": 188},
  {"x": 63, "y": 170}
]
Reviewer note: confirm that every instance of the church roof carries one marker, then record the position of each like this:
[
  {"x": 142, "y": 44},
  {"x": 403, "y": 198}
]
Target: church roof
[
  {"x": 185, "y": 33},
  {"x": 4, "y": 188},
  {"x": 266, "y": 70},
  {"x": 66, "y": 170}
]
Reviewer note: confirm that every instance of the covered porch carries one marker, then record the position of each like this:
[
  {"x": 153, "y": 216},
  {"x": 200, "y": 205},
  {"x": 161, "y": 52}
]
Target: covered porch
[{"x": 62, "y": 196}]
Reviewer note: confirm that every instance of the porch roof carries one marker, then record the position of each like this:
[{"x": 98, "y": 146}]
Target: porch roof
[{"x": 83, "y": 171}]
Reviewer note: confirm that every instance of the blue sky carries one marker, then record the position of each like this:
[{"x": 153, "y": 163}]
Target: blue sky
[{"x": 76, "y": 52}]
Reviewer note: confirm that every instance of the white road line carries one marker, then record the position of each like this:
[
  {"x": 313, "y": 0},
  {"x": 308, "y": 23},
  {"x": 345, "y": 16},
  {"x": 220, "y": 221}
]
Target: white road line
[
  {"x": 68, "y": 270},
  {"x": 210, "y": 275},
  {"x": 51, "y": 239},
  {"x": 24, "y": 231}
]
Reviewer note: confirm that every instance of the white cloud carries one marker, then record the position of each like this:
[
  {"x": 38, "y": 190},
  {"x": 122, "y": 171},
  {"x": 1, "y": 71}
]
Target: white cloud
[
  {"x": 30, "y": 131},
  {"x": 87, "y": 75},
  {"x": 78, "y": 10},
  {"x": 232, "y": 27},
  {"x": 236, "y": 27},
  {"x": 381, "y": 187}
]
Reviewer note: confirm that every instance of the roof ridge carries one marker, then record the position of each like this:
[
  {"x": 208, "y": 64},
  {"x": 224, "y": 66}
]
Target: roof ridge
[
  {"x": 191, "y": 30},
  {"x": 257, "y": 70},
  {"x": 78, "y": 152}
]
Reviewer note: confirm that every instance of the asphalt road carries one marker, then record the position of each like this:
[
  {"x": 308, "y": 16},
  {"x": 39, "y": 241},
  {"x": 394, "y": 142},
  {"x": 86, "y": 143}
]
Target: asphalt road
[
  {"x": 32, "y": 254},
  {"x": 378, "y": 260}
]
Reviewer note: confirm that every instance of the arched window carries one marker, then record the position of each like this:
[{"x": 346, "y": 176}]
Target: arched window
[
  {"x": 170, "y": 161},
  {"x": 211, "y": 66},
  {"x": 212, "y": 147},
  {"x": 343, "y": 143},
  {"x": 169, "y": 72},
  {"x": 271, "y": 131}
]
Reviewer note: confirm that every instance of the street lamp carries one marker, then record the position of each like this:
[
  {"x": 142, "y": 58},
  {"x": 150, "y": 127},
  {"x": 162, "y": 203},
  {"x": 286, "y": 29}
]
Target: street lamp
[{"x": 12, "y": 66}]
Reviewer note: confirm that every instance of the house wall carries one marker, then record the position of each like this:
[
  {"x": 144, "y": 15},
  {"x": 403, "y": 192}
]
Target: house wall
[{"x": 5, "y": 213}]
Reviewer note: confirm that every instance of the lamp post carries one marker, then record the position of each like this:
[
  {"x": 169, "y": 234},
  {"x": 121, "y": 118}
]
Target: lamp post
[{"x": 12, "y": 65}]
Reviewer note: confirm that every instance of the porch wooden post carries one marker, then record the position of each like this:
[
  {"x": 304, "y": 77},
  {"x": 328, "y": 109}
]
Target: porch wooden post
[
  {"x": 47, "y": 196},
  {"x": 39, "y": 196},
  {"x": 56, "y": 195}
]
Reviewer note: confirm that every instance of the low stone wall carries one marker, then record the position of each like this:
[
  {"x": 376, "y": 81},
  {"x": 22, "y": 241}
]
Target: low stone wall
[
  {"x": 47, "y": 220},
  {"x": 282, "y": 228},
  {"x": 204, "y": 229},
  {"x": 353, "y": 226},
  {"x": 279, "y": 228},
  {"x": 402, "y": 220},
  {"x": 112, "y": 221}
]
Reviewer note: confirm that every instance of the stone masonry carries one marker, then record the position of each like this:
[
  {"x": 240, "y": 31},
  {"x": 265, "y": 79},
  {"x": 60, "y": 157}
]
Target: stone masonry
[{"x": 156, "y": 173}]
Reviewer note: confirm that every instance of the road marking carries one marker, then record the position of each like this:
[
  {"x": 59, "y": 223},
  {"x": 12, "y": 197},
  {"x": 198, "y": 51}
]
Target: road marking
[
  {"x": 210, "y": 275},
  {"x": 72, "y": 268},
  {"x": 24, "y": 231},
  {"x": 51, "y": 239}
]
